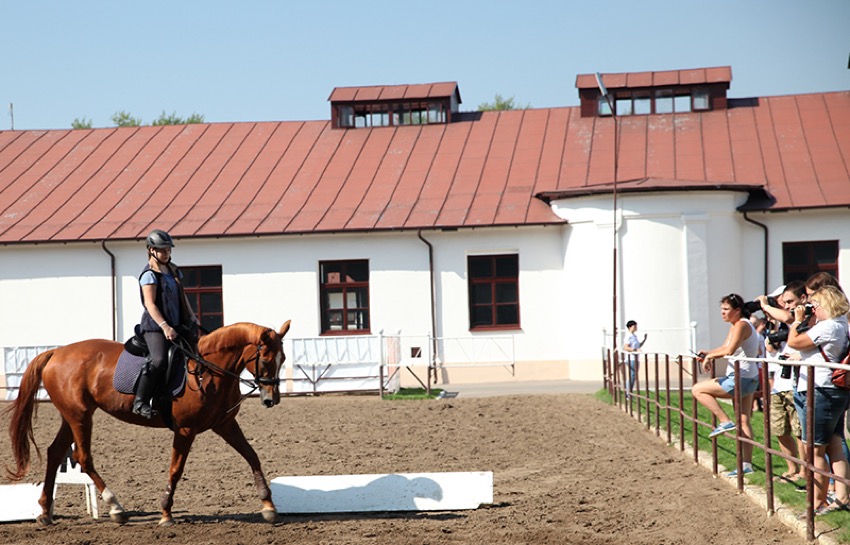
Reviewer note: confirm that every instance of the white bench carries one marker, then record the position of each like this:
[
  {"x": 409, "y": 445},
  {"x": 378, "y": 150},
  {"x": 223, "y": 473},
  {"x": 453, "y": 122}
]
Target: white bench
[{"x": 71, "y": 473}]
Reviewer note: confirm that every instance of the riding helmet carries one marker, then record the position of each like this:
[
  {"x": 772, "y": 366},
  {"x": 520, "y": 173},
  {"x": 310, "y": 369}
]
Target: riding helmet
[{"x": 159, "y": 239}]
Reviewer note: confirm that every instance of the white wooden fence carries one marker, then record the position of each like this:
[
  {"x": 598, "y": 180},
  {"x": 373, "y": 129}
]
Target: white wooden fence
[{"x": 350, "y": 363}]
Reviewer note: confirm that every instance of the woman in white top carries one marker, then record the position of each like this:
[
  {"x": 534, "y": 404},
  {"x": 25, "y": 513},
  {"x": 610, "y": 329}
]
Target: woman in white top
[
  {"x": 827, "y": 336},
  {"x": 741, "y": 341}
]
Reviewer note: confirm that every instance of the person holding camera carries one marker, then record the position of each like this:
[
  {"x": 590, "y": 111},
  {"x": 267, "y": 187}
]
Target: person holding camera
[
  {"x": 784, "y": 415},
  {"x": 822, "y": 337},
  {"x": 741, "y": 341}
]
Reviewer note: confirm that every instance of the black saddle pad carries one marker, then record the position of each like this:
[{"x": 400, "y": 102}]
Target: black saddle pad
[{"x": 129, "y": 366}]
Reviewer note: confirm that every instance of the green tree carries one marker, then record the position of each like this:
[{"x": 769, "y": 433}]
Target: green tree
[
  {"x": 174, "y": 119},
  {"x": 124, "y": 119},
  {"x": 501, "y": 103},
  {"x": 83, "y": 123}
]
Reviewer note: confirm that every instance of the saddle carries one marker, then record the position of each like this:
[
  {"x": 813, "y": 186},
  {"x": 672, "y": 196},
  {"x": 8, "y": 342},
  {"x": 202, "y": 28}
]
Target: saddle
[{"x": 135, "y": 358}]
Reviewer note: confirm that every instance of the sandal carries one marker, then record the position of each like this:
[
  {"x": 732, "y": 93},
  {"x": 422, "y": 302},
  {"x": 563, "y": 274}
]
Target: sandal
[
  {"x": 786, "y": 477},
  {"x": 831, "y": 508},
  {"x": 838, "y": 506}
]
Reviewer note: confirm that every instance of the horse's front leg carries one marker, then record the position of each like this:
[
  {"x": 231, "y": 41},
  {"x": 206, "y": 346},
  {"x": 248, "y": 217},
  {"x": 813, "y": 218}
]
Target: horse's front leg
[
  {"x": 180, "y": 447},
  {"x": 232, "y": 434}
]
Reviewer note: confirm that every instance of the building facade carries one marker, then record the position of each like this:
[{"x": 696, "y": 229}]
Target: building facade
[{"x": 404, "y": 216}]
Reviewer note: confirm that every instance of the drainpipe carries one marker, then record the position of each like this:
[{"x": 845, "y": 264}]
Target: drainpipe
[
  {"x": 433, "y": 308},
  {"x": 763, "y": 226},
  {"x": 114, "y": 290}
]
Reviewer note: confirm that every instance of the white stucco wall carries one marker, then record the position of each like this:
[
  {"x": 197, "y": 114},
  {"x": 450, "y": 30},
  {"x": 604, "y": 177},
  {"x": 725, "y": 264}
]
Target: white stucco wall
[
  {"x": 678, "y": 254},
  {"x": 57, "y": 294},
  {"x": 54, "y": 294}
]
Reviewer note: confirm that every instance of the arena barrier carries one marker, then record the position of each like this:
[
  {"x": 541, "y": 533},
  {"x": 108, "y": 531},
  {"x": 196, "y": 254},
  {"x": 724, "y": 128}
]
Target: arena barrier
[
  {"x": 671, "y": 377},
  {"x": 383, "y": 492},
  {"x": 342, "y": 363}
]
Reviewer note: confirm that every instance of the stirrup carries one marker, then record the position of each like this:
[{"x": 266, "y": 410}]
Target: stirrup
[{"x": 144, "y": 410}]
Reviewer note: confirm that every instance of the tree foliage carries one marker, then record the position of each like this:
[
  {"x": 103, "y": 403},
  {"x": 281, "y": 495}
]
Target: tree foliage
[
  {"x": 125, "y": 119},
  {"x": 174, "y": 119},
  {"x": 501, "y": 103},
  {"x": 83, "y": 123}
]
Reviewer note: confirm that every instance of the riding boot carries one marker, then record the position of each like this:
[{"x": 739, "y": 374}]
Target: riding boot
[{"x": 144, "y": 392}]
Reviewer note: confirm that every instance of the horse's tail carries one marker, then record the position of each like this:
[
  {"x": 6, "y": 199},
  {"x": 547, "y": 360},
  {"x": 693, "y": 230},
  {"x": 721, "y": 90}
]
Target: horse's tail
[{"x": 22, "y": 411}]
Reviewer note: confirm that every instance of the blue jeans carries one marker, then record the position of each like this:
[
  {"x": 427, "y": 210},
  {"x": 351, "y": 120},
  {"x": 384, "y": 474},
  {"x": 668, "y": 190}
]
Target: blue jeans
[
  {"x": 748, "y": 385},
  {"x": 830, "y": 406},
  {"x": 633, "y": 370}
]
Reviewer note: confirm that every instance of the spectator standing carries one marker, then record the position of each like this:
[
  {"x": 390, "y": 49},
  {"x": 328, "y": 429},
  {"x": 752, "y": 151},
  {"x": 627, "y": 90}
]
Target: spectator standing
[
  {"x": 633, "y": 346},
  {"x": 784, "y": 416},
  {"x": 825, "y": 339}
]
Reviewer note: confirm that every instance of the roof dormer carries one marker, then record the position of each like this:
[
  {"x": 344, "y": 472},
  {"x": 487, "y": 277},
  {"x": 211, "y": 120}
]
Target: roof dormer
[
  {"x": 646, "y": 93},
  {"x": 393, "y": 105}
]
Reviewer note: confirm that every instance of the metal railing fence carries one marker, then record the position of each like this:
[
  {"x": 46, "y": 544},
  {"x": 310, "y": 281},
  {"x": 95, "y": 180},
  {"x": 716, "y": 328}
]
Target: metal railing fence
[{"x": 646, "y": 398}]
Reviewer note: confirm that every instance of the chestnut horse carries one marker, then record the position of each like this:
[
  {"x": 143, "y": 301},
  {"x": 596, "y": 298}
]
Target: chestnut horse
[{"x": 78, "y": 378}]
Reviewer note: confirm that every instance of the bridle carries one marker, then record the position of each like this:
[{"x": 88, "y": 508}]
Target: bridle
[{"x": 206, "y": 365}]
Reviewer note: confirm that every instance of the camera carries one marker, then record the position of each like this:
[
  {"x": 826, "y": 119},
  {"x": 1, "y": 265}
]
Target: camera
[
  {"x": 755, "y": 306},
  {"x": 777, "y": 336},
  {"x": 786, "y": 369},
  {"x": 807, "y": 313}
]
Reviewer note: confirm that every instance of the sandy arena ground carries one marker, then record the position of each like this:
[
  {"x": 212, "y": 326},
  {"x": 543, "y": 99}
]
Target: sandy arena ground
[{"x": 567, "y": 469}]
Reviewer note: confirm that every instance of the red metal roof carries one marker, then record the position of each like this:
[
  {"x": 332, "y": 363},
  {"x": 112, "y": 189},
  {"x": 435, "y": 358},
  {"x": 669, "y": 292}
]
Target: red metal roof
[
  {"x": 395, "y": 92},
  {"x": 486, "y": 169},
  {"x": 665, "y": 78}
]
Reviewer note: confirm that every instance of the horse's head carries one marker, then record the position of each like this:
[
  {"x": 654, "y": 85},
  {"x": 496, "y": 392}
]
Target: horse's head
[{"x": 267, "y": 364}]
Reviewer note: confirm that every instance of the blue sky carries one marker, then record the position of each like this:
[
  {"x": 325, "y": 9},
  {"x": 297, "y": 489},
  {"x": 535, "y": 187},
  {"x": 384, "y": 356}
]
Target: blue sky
[{"x": 253, "y": 60}]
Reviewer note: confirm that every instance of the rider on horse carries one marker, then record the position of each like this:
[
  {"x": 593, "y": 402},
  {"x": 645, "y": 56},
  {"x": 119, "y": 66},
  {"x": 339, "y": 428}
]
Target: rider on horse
[{"x": 167, "y": 313}]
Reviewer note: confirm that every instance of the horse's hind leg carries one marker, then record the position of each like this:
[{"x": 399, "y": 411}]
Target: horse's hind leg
[
  {"x": 55, "y": 454},
  {"x": 82, "y": 437},
  {"x": 232, "y": 434}
]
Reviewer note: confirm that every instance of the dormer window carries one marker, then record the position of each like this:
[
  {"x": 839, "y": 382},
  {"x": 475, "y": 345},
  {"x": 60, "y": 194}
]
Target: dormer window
[
  {"x": 385, "y": 115},
  {"x": 648, "y": 93},
  {"x": 392, "y": 106},
  {"x": 660, "y": 101}
]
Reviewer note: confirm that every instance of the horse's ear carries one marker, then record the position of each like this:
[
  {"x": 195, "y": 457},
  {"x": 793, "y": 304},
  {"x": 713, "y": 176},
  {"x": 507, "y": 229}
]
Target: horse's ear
[{"x": 284, "y": 328}]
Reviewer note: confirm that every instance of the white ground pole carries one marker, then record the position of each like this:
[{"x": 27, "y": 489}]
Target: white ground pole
[
  {"x": 382, "y": 492},
  {"x": 19, "y": 501}
]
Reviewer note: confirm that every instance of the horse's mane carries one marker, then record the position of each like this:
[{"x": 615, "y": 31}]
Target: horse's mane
[{"x": 232, "y": 336}]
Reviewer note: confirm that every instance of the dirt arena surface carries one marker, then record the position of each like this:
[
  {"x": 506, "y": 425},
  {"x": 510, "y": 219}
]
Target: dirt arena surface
[{"x": 568, "y": 469}]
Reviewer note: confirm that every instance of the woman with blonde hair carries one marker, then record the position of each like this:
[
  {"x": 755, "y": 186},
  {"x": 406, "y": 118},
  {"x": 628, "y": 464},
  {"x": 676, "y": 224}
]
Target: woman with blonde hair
[{"x": 823, "y": 337}]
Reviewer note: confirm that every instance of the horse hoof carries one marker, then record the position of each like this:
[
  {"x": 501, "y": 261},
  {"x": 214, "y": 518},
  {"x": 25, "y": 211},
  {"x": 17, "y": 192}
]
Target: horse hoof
[
  {"x": 118, "y": 517},
  {"x": 269, "y": 515},
  {"x": 166, "y": 521},
  {"x": 44, "y": 520}
]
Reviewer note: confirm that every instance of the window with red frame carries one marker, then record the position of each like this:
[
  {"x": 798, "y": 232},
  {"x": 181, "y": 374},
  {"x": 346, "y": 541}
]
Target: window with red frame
[
  {"x": 203, "y": 290},
  {"x": 493, "y": 291},
  {"x": 800, "y": 260},
  {"x": 344, "y": 294}
]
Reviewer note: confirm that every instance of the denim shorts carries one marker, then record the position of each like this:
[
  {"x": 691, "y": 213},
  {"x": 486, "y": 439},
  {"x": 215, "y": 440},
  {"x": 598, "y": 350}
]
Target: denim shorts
[
  {"x": 830, "y": 406},
  {"x": 748, "y": 385}
]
